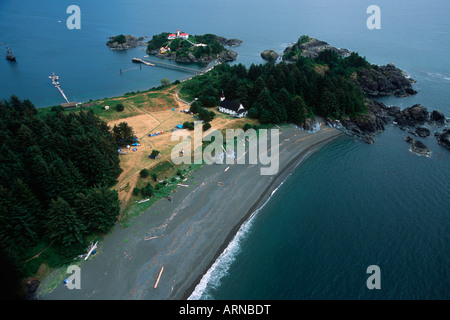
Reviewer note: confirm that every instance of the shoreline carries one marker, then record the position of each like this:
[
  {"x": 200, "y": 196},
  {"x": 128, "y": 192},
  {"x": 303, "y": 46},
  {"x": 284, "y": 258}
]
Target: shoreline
[
  {"x": 185, "y": 236},
  {"x": 281, "y": 176}
]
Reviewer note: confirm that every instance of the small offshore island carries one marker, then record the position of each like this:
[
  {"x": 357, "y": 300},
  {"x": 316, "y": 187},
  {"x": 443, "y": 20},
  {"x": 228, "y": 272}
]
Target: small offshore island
[
  {"x": 118, "y": 150},
  {"x": 186, "y": 48},
  {"x": 123, "y": 42}
]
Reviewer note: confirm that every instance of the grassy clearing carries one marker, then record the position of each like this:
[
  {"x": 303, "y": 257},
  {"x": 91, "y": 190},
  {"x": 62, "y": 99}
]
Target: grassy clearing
[{"x": 148, "y": 112}]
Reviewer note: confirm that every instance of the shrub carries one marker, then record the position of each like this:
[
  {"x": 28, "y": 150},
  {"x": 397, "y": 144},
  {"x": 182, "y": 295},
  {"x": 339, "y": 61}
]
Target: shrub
[
  {"x": 206, "y": 126},
  {"x": 165, "y": 82},
  {"x": 206, "y": 115},
  {"x": 303, "y": 39},
  {"x": 154, "y": 153},
  {"x": 196, "y": 106},
  {"x": 144, "y": 173},
  {"x": 136, "y": 191},
  {"x": 154, "y": 176},
  {"x": 147, "y": 190},
  {"x": 57, "y": 108},
  {"x": 120, "y": 39},
  {"x": 188, "y": 125},
  {"x": 247, "y": 126},
  {"x": 119, "y": 107}
]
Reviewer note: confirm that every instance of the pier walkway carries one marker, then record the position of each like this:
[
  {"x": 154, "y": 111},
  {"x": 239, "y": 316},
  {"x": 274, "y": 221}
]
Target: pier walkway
[
  {"x": 55, "y": 82},
  {"x": 166, "y": 65}
]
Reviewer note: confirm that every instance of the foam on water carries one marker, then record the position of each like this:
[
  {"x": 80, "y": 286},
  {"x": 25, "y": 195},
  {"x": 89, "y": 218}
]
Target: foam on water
[{"x": 211, "y": 279}]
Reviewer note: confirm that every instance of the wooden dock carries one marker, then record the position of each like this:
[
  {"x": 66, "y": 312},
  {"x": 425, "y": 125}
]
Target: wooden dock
[
  {"x": 55, "y": 82},
  {"x": 160, "y": 64}
]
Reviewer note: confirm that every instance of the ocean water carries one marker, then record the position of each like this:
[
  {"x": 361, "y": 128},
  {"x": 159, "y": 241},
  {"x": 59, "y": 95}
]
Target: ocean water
[{"x": 347, "y": 207}]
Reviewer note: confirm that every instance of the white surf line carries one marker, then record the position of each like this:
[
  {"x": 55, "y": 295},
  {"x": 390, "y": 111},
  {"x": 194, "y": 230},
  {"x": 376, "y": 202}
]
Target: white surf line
[{"x": 221, "y": 266}]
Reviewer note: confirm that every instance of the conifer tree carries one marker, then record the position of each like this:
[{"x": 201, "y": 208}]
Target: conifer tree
[
  {"x": 63, "y": 225},
  {"x": 297, "y": 110}
]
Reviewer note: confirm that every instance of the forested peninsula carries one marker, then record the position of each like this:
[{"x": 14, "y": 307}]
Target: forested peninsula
[
  {"x": 288, "y": 91},
  {"x": 317, "y": 79},
  {"x": 57, "y": 168},
  {"x": 55, "y": 177}
]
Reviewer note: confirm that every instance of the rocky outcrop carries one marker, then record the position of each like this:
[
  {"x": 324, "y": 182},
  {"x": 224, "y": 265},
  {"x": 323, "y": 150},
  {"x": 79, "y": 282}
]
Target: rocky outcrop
[
  {"x": 229, "y": 42},
  {"x": 418, "y": 147},
  {"x": 31, "y": 287},
  {"x": 374, "y": 80},
  {"x": 366, "y": 126},
  {"x": 123, "y": 42},
  {"x": 228, "y": 55},
  {"x": 417, "y": 118},
  {"x": 384, "y": 81},
  {"x": 310, "y": 49},
  {"x": 412, "y": 116},
  {"x": 444, "y": 138},
  {"x": 311, "y": 125},
  {"x": 269, "y": 55},
  {"x": 438, "y": 117},
  {"x": 423, "y": 132}
]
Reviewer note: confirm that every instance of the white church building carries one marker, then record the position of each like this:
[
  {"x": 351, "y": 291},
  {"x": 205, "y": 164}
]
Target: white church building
[{"x": 233, "y": 108}]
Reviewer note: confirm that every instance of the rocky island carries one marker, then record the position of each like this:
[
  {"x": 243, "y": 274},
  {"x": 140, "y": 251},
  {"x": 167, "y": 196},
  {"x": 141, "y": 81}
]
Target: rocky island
[
  {"x": 269, "y": 55},
  {"x": 186, "y": 48},
  {"x": 123, "y": 42},
  {"x": 418, "y": 146},
  {"x": 309, "y": 48}
]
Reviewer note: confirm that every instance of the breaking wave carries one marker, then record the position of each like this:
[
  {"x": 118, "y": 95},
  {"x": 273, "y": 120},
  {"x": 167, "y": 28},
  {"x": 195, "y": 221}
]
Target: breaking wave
[{"x": 211, "y": 279}]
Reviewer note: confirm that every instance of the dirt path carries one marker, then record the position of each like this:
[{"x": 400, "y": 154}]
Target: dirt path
[{"x": 149, "y": 121}]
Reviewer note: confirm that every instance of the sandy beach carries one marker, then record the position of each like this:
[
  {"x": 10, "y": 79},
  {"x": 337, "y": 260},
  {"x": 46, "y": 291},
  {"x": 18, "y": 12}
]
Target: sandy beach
[{"x": 165, "y": 251}]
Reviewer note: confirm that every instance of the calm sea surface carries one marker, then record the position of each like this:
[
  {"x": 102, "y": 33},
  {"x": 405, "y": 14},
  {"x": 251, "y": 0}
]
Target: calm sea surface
[{"x": 347, "y": 207}]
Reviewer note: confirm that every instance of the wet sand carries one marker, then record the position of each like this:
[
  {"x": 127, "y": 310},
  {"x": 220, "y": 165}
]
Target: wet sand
[{"x": 165, "y": 251}]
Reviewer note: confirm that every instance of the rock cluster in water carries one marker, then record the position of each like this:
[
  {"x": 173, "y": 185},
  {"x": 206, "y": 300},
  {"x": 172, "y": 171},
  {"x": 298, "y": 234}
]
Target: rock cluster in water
[
  {"x": 269, "y": 55},
  {"x": 444, "y": 138},
  {"x": 417, "y": 120},
  {"x": 418, "y": 146},
  {"x": 130, "y": 42}
]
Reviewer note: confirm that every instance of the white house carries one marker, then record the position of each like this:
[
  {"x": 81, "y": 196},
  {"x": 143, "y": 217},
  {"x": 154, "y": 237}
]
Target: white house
[
  {"x": 184, "y": 35},
  {"x": 235, "y": 109},
  {"x": 178, "y": 35}
]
